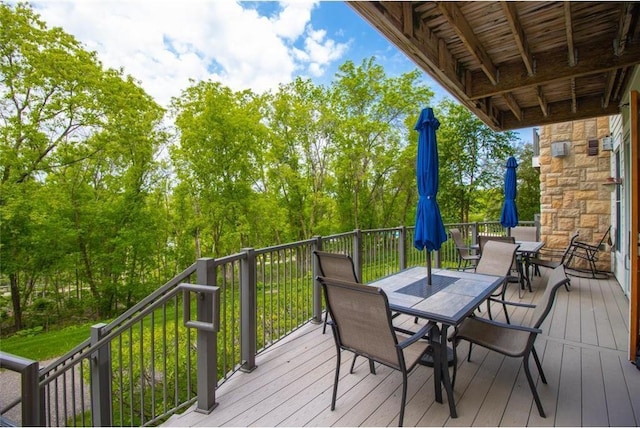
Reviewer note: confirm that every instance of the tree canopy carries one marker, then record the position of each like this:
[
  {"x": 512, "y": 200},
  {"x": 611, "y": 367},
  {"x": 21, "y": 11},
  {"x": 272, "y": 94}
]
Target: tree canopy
[{"x": 94, "y": 209}]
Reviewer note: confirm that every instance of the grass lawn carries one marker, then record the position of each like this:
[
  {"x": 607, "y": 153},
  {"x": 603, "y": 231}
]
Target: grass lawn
[{"x": 46, "y": 345}]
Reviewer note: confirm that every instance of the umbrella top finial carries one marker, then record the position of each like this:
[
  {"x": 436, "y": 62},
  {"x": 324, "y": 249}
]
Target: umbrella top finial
[{"x": 427, "y": 116}]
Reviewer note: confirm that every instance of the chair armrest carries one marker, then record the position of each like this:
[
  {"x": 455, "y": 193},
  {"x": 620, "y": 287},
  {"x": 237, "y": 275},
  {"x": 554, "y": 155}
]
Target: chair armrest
[
  {"x": 507, "y": 302},
  {"x": 586, "y": 246},
  {"x": 509, "y": 326},
  {"x": 422, "y": 333}
]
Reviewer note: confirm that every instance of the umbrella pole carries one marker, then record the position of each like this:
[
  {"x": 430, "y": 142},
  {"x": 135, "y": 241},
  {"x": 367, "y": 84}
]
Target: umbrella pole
[{"x": 428, "y": 267}]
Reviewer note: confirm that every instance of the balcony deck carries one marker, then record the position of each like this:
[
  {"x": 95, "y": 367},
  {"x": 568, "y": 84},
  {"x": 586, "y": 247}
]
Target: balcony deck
[{"x": 583, "y": 351}]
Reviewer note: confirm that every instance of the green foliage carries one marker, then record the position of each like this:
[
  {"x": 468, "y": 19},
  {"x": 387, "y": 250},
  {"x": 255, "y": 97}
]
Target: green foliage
[
  {"x": 95, "y": 215},
  {"x": 472, "y": 159}
]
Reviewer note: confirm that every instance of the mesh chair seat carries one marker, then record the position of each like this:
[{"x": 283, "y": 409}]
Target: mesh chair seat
[
  {"x": 361, "y": 322},
  {"x": 515, "y": 340},
  {"x": 466, "y": 256}
]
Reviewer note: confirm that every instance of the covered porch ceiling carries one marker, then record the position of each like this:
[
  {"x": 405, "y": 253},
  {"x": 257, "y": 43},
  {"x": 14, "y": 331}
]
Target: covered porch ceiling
[{"x": 518, "y": 64}]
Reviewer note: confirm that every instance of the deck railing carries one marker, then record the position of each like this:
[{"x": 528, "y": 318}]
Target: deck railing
[{"x": 160, "y": 356}]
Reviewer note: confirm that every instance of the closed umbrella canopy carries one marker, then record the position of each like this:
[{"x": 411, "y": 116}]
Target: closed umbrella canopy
[
  {"x": 429, "y": 231},
  {"x": 509, "y": 216}
]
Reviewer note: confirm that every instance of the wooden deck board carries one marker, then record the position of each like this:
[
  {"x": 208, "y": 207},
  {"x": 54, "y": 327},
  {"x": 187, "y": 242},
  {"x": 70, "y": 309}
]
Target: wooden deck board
[
  {"x": 583, "y": 353},
  {"x": 594, "y": 404}
]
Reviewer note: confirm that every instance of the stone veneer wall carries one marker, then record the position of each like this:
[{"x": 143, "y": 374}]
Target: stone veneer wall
[{"x": 572, "y": 195}]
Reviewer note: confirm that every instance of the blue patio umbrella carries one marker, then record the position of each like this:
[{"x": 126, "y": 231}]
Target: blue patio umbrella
[
  {"x": 429, "y": 229},
  {"x": 509, "y": 216}
]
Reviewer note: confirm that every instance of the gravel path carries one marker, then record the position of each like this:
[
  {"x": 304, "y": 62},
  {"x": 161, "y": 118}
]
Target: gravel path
[{"x": 10, "y": 389}]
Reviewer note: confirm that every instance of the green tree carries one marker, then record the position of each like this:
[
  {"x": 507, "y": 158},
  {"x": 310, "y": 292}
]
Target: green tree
[
  {"x": 67, "y": 122},
  {"x": 217, "y": 166},
  {"x": 472, "y": 158},
  {"x": 297, "y": 159},
  {"x": 372, "y": 111}
]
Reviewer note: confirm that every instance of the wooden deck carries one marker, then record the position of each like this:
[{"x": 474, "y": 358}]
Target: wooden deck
[{"x": 583, "y": 352}]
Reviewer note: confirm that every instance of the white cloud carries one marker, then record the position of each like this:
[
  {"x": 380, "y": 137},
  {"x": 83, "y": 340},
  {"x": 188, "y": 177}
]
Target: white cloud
[{"x": 163, "y": 44}]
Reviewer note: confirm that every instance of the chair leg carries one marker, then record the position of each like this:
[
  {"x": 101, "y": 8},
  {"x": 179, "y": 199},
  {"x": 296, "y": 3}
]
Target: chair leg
[
  {"x": 335, "y": 381},
  {"x": 538, "y": 365},
  {"x": 533, "y": 386},
  {"x": 404, "y": 398},
  {"x": 372, "y": 368},
  {"x": 504, "y": 305},
  {"x": 469, "y": 355},
  {"x": 353, "y": 363},
  {"x": 454, "y": 346},
  {"x": 326, "y": 319}
]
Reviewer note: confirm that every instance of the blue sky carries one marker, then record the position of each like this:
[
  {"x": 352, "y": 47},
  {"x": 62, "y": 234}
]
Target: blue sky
[{"x": 250, "y": 45}]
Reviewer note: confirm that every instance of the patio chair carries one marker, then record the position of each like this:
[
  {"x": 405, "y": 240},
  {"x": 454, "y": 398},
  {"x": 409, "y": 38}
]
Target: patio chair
[
  {"x": 589, "y": 252},
  {"x": 465, "y": 254},
  {"x": 515, "y": 340},
  {"x": 551, "y": 258},
  {"x": 336, "y": 266},
  {"x": 362, "y": 323},
  {"x": 525, "y": 233},
  {"x": 516, "y": 266},
  {"x": 497, "y": 259}
]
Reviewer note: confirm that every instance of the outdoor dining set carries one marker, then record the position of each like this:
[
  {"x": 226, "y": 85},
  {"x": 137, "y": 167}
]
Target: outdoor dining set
[
  {"x": 444, "y": 304},
  {"x": 362, "y": 316}
]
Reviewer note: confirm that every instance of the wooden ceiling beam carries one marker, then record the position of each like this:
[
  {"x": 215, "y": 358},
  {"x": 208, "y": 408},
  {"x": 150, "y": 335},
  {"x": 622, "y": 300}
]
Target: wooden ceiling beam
[
  {"x": 513, "y": 105},
  {"x": 559, "y": 112},
  {"x": 542, "y": 102},
  {"x": 456, "y": 19},
  {"x": 427, "y": 51},
  {"x": 626, "y": 18},
  {"x": 509, "y": 9},
  {"x": 553, "y": 67},
  {"x": 568, "y": 26},
  {"x": 610, "y": 86}
]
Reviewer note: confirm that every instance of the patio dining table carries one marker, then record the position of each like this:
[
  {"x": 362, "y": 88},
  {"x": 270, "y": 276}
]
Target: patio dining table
[
  {"x": 451, "y": 297},
  {"x": 526, "y": 250}
]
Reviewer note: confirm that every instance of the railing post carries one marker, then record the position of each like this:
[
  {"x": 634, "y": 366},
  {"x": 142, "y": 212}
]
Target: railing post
[
  {"x": 536, "y": 223},
  {"x": 357, "y": 253},
  {"x": 100, "y": 380},
  {"x": 33, "y": 413},
  {"x": 317, "y": 290},
  {"x": 402, "y": 247},
  {"x": 248, "y": 310},
  {"x": 206, "y": 340},
  {"x": 474, "y": 232}
]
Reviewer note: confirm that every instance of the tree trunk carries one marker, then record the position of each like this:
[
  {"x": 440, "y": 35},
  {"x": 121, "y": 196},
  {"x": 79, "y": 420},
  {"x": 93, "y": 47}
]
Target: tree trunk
[{"x": 15, "y": 299}]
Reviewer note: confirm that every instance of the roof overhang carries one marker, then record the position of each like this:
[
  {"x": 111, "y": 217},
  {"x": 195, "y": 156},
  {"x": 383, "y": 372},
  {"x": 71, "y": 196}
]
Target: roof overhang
[{"x": 519, "y": 64}]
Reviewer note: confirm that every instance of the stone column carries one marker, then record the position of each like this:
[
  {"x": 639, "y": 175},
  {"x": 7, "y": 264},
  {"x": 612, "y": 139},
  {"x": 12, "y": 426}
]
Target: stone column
[{"x": 572, "y": 195}]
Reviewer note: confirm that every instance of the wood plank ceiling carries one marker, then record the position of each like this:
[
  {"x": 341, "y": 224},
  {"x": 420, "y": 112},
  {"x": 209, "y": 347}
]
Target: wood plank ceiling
[{"x": 519, "y": 64}]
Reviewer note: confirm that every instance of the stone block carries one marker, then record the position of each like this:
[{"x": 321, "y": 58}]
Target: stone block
[
  {"x": 557, "y": 165},
  {"x": 584, "y": 161},
  {"x": 554, "y": 191},
  {"x": 563, "y": 127},
  {"x": 566, "y": 223},
  {"x": 597, "y": 176},
  {"x": 585, "y": 195},
  {"x": 578, "y": 130},
  {"x": 573, "y": 212},
  {"x": 599, "y": 207},
  {"x": 590, "y": 129},
  {"x": 568, "y": 182},
  {"x": 589, "y": 220},
  {"x": 568, "y": 203}
]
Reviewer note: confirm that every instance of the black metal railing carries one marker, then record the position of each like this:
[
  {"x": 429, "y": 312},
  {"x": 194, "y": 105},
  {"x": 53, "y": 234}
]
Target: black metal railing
[{"x": 160, "y": 357}]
